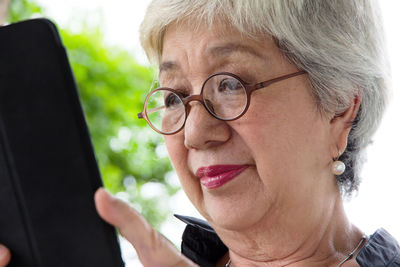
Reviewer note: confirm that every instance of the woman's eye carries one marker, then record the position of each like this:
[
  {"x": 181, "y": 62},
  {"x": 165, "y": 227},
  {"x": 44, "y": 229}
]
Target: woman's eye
[
  {"x": 229, "y": 85},
  {"x": 172, "y": 100}
]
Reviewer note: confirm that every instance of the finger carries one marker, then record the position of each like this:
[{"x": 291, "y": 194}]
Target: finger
[
  {"x": 118, "y": 213},
  {"x": 5, "y": 256},
  {"x": 152, "y": 248}
]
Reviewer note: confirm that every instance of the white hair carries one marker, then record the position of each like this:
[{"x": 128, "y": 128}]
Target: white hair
[{"x": 340, "y": 43}]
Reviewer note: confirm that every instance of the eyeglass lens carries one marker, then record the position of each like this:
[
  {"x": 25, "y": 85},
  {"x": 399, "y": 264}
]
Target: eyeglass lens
[
  {"x": 223, "y": 95},
  {"x": 165, "y": 111}
]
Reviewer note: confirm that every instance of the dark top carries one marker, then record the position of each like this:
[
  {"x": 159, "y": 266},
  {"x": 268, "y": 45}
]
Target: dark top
[{"x": 202, "y": 245}]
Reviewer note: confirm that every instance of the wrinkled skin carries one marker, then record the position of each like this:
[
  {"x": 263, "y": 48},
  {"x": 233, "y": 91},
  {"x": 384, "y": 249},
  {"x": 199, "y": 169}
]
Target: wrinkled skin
[{"x": 285, "y": 208}]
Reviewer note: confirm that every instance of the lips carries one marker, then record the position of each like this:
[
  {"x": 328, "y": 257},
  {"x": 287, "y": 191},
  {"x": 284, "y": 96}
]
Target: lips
[{"x": 217, "y": 175}]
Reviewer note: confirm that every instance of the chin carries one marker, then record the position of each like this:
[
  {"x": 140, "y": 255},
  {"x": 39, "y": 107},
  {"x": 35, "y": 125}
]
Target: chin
[{"x": 234, "y": 213}]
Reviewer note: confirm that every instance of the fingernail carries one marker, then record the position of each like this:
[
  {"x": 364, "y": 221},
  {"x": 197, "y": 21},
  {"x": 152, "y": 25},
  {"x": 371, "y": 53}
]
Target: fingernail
[{"x": 108, "y": 194}]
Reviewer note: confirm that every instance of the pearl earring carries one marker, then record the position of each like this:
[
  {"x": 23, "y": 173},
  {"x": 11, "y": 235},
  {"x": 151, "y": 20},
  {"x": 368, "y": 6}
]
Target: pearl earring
[{"x": 338, "y": 167}]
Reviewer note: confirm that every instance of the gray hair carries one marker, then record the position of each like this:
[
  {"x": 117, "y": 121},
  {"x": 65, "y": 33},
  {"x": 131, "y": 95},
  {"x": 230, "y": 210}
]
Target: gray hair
[{"x": 340, "y": 43}]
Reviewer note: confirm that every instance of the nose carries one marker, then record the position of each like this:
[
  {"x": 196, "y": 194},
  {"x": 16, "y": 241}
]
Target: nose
[{"x": 202, "y": 130}]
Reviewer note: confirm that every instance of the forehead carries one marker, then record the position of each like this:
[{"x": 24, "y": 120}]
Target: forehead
[{"x": 183, "y": 43}]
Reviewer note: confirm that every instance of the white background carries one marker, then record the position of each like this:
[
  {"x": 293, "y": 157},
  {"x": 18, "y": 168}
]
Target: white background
[{"x": 377, "y": 204}]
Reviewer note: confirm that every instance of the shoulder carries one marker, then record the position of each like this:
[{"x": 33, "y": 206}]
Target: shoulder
[
  {"x": 202, "y": 245},
  {"x": 381, "y": 249}
]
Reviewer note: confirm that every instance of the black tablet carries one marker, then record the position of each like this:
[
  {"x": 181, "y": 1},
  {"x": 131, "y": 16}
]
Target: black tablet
[{"x": 48, "y": 171}]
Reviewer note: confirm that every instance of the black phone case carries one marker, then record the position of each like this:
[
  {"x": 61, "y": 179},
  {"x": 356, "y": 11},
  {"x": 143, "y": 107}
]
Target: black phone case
[{"x": 48, "y": 171}]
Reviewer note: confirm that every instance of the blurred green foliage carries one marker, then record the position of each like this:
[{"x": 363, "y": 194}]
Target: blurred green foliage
[
  {"x": 112, "y": 88},
  {"x": 22, "y": 9}
]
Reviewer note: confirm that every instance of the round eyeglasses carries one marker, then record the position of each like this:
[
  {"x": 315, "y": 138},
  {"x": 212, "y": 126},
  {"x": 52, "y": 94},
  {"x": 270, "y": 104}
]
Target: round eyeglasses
[{"x": 224, "y": 95}]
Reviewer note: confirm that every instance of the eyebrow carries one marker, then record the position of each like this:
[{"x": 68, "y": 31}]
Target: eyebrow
[
  {"x": 215, "y": 51},
  {"x": 168, "y": 66},
  {"x": 230, "y": 48}
]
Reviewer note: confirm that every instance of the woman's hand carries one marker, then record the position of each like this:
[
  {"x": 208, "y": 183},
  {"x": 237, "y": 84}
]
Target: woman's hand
[
  {"x": 5, "y": 256},
  {"x": 152, "y": 248}
]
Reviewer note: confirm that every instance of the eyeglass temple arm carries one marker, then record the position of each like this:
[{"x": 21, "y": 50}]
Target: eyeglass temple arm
[
  {"x": 140, "y": 114},
  {"x": 267, "y": 83}
]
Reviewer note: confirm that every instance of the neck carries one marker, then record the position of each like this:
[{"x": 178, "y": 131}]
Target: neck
[{"x": 322, "y": 242}]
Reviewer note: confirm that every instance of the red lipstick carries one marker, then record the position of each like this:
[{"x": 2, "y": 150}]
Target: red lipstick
[{"x": 217, "y": 175}]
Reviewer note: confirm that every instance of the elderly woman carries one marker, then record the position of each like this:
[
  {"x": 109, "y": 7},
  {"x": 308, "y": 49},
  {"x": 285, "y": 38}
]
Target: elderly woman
[{"x": 266, "y": 108}]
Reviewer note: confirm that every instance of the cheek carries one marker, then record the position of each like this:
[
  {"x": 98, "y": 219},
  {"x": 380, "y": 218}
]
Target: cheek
[
  {"x": 177, "y": 153},
  {"x": 175, "y": 148},
  {"x": 179, "y": 158},
  {"x": 288, "y": 140}
]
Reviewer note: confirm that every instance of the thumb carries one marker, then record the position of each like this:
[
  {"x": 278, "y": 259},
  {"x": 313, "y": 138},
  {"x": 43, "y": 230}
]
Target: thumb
[
  {"x": 152, "y": 248},
  {"x": 118, "y": 213},
  {"x": 4, "y": 255}
]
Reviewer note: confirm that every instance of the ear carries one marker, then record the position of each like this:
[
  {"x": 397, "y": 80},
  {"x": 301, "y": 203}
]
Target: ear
[{"x": 341, "y": 125}]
